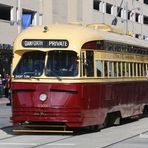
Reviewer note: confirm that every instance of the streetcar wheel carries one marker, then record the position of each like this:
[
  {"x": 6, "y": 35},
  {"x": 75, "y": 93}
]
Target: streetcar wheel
[{"x": 145, "y": 111}]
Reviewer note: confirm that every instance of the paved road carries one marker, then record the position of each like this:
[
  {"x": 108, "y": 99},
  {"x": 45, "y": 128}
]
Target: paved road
[
  {"x": 139, "y": 141},
  {"x": 132, "y": 135},
  {"x": 5, "y": 113}
]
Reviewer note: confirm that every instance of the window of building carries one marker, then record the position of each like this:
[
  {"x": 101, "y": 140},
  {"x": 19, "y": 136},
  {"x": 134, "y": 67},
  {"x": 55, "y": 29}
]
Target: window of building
[
  {"x": 96, "y": 5},
  {"x": 5, "y": 12},
  {"x": 109, "y": 8},
  {"x": 129, "y": 15},
  {"x": 28, "y": 18},
  {"x": 138, "y": 36},
  {"x": 145, "y": 20},
  {"x": 137, "y": 17},
  {"x": 119, "y": 11},
  {"x": 145, "y": 2}
]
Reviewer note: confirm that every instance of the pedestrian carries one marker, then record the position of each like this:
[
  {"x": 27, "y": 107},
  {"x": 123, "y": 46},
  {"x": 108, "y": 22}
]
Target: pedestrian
[
  {"x": 1, "y": 92},
  {"x": 7, "y": 89},
  {"x": 3, "y": 85}
]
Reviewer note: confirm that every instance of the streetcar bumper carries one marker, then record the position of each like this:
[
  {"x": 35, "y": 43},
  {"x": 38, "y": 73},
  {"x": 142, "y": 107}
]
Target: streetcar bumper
[{"x": 69, "y": 117}]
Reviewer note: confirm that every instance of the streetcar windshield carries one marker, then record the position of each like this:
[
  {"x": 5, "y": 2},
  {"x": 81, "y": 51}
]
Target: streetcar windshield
[
  {"x": 31, "y": 64},
  {"x": 62, "y": 63}
]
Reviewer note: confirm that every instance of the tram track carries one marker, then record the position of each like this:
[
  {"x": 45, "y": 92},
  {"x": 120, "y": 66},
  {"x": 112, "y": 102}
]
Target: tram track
[
  {"x": 120, "y": 141},
  {"x": 55, "y": 142},
  {"x": 51, "y": 142},
  {"x": 62, "y": 140},
  {"x": 11, "y": 135},
  {"x": 8, "y": 130}
]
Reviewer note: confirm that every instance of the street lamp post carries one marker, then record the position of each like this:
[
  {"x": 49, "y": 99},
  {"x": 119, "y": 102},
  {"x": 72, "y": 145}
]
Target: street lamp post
[
  {"x": 19, "y": 16},
  {"x": 126, "y": 18}
]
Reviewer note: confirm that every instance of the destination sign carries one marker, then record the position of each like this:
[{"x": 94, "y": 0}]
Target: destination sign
[{"x": 33, "y": 43}]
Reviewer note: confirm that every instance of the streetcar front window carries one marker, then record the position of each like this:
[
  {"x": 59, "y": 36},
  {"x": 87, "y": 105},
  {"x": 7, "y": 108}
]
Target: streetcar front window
[
  {"x": 31, "y": 64},
  {"x": 62, "y": 63}
]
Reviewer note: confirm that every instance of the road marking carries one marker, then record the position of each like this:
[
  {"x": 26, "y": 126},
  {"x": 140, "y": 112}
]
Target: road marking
[
  {"x": 18, "y": 144},
  {"x": 143, "y": 136},
  {"x": 61, "y": 144},
  {"x": 33, "y": 144}
]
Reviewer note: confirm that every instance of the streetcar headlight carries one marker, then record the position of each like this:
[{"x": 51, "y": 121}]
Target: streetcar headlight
[{"x": 43, "y": 97}]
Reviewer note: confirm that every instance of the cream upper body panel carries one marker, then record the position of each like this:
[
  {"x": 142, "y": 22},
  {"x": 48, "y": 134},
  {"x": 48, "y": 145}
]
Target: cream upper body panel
[{"x": 76, "y": 36}]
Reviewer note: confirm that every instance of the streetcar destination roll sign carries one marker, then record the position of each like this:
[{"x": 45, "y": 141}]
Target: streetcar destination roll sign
[{"x": 33, "y": 43}]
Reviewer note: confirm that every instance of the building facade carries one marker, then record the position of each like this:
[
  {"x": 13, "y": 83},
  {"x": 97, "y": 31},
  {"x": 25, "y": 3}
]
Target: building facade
[
  {"x": 12, "y": 14},
  {"x": 17, "y": 15},
  {"x": 131, "y": 15}
]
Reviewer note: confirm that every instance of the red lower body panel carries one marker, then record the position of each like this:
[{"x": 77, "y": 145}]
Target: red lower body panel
[{"x": 77, "y": 105}]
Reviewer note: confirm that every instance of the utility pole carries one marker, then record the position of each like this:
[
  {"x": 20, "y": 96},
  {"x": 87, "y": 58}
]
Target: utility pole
[
  {"x": 126, "y": 17},
  {"x": 41, "y": 12},
  {"x": 19, "y": 16}
]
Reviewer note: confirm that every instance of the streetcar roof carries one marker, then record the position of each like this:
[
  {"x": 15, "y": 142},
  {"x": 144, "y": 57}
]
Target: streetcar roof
[{"x": 76, "y": 35}]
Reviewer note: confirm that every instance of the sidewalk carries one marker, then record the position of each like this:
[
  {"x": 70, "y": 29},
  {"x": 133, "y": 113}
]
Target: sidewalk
[{"x": 4, "y": 101}]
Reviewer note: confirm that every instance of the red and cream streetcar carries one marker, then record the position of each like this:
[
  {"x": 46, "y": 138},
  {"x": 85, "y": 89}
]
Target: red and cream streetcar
[{"x": 107, "y": 82}]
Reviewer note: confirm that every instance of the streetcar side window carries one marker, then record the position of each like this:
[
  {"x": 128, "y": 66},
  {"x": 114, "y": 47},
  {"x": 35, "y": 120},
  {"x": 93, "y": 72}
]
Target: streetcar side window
[
  {"x": 105, "y": 69},
  {"x": 110, "y": 74},
  {"x": 90, "y": 63},
  {"x": 145, "y": 69},
  {"x": 119, "y": 69},
  {"x": 127, "y": 70},
  {"x": 123, "y": 69},
  {"x": 135, "y": 74},
  {"x": 115, "y": 69},
  {"x": 99, "y": 68},
  {"x": 142, "y": 69},
  {"x": 131, "y": 69},
  {"x": 138, "y": 69}
]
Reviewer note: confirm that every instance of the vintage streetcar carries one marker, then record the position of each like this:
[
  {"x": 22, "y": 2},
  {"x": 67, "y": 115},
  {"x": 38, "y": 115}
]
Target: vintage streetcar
[{"x": 107, "y": 82}]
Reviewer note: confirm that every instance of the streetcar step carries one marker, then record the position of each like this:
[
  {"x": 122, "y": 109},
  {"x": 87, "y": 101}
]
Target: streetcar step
[
  {"x": 42, "y": 131},
  {"x": 56, "y": 126}
]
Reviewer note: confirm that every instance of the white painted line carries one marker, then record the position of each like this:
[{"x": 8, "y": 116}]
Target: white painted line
[
  {"x": 33, "y": 144},
  {"x": 18, "y": 144},
  {"x": 143, "y": 136},
  {"x": 61, "y": 144}
]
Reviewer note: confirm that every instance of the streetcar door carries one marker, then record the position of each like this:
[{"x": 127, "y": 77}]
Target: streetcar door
[
  {"x": 87, "y": 64},
  {"x": 83, "y": 63},
  {"x": 91, "y": 90}
]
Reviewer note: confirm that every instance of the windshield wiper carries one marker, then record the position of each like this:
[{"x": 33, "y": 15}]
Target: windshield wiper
[
  {"x": 54, "y": 74},
  {"x": 28, "y": 73}
]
